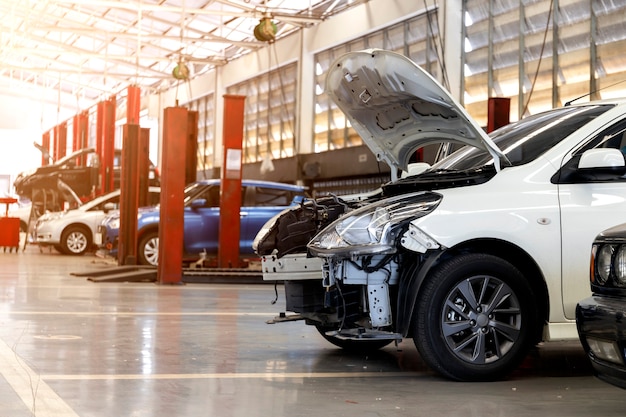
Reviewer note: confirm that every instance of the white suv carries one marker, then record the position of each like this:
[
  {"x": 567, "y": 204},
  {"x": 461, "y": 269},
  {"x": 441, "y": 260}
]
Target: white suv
[{"x": 479, "y": 257}]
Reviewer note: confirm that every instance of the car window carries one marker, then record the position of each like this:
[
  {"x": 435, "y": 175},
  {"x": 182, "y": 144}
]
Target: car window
[
  {"x": 267, "y": 197},
  {"x": 613, "y": 137},
  {"x": 211, "y": 195},
  {"x": 194, "y": 190},
  {"x": 526, "y": 139}
]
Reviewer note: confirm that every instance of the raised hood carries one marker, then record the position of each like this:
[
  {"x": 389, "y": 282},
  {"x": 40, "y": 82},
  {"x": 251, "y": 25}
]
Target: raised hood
[{"x": 396, "y": 107}]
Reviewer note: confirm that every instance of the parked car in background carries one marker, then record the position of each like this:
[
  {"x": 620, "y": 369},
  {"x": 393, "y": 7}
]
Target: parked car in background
[
  {"x": 476, "y": 259},
  {"x": 71, "y": 232},
  {"x": 261, "y": 200},
  {"x": 601, "y": 318}
]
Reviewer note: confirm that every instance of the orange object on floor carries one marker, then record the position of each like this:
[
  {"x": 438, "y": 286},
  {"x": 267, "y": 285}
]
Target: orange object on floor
[{"x": 9, "y": 228}]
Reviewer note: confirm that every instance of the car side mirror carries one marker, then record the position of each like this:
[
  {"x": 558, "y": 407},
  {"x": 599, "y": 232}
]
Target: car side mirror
[
  {"x": 108, "y": 207},
  {"x": 596, "y": 164}
]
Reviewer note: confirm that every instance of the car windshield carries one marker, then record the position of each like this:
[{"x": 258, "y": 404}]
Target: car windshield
[
  {"x": 527, "y": 139},
  {"x": 197, "y": 190}
]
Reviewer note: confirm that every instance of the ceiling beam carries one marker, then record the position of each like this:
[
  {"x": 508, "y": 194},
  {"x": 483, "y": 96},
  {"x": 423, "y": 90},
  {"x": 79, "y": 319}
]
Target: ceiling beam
[
  {"x": 244, "y": 11},
  {"x": 54, "y": 54}
]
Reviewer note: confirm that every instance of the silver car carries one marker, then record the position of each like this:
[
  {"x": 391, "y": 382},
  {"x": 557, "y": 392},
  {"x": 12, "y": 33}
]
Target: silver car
[{"x": 71, "y": 232}]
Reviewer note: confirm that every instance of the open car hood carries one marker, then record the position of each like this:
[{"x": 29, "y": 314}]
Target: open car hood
[{"x": 396, "y": 107}]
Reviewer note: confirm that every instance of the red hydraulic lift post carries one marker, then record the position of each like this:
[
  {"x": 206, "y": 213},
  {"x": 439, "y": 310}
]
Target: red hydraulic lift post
[
  {"x": 100, "y": 143},
  {"x": 191, "y": 164},
  {"x": 80, "y": 124},
  {"x": 230, "y": 195},
  {"x": 45, "y": 144},
  {"x": 175, "y": 128},
  {"x": 108, "y": 149},
  {"x": 54, "y": 134},
  {"x": 144, "y": 166},
  {"x": 133, "y": 109},
  {"x": 84, "y": 129},
  {"x": 80, "y": 138},
  {"x": 498, "y": 112},
  {"x": 60, "y": 141},
  {"x": 129, "y": 181},
  {"x": 133, "y": 105},
  {"x": 103, "y": 130},
  {"x": 129, "y": 196},
  {"x": 75, "y": 133}
]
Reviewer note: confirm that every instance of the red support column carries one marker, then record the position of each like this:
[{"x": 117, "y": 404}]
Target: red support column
[
  {"x": 129, "y": 196},
  {"x": 133, "y": 104},
  {"x": 230, "y": 195},
  {"x": 171, "y": 224},
  {"x": 81, "y": 136},
  {"x": 108, "y": 146},
  {"x": 45, "y": 146},
  {"x": 84, "y": 129},
  {"x": 75, "y": 132},
  {"x": 144, "y": 166},
  {"x": 54, "y": 136},
  {"x": 191, "y": 164},
  {"x": 60, "y": 141},
  {"x": 100, "y": 131}
]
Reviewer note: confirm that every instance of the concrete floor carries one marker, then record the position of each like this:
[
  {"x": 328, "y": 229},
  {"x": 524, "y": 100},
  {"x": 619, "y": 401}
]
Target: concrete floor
[{"x": 72, "y": 347}]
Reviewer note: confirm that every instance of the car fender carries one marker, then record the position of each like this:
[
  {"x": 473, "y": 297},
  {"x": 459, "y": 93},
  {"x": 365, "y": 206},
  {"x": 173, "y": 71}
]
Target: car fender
[{"x": 409, "y": 288}]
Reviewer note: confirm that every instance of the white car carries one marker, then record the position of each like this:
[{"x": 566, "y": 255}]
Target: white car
[
  {"x": 71, "y": 232},
  {"x": 479, "y": 257}
]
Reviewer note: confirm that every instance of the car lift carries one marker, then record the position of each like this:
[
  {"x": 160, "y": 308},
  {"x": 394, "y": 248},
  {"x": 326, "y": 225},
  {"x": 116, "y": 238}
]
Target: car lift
[{"x": 179, "y": 134}]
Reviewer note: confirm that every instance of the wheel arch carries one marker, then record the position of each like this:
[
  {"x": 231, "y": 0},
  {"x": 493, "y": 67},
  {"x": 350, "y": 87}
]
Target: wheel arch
[
  {"x": 416, "y": 272},
  {"x": 147, "y": 229},
  {"x": 82, "y": 226}
]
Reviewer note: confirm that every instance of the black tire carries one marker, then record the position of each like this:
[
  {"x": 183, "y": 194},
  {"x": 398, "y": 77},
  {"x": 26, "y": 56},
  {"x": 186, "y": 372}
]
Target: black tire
[
  {"x": 148, "y": 249},
  {"x": 355, "y": 346},
  {"x": 75, "y": 240},
  {"x": 475, "y": 318}
]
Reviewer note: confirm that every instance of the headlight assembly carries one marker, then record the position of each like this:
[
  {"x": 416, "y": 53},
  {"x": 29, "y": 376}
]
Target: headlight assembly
[
  {"x": 609, "y": 265},
  {"x": 115, "y": 223},
  {"x": 372, "y": 229},
  {"x": 619, "y": 265},
  {"x": 603, "y": 263}
]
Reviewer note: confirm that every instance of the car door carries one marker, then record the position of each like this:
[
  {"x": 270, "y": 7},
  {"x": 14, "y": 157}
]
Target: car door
[
  {"x": 589, "y": 204},
  {"x": 202, "y": 221}
]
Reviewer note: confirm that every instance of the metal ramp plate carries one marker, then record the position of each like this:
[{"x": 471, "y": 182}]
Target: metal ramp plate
[{"x": 136, "y": 273}]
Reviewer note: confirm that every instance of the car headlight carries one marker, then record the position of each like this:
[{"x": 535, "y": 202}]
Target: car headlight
[
  {"x": 372, "y": 229},
  {"x": 51, "y": 216},
  {"x": 619, "y": 265},
  {"x": 113, "y": 223},
  {"x": 609, "y": 265},
  {"x": 604, "y": 257}
]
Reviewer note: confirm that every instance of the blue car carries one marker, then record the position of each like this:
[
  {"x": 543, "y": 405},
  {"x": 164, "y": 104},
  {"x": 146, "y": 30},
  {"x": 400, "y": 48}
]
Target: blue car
[
  {"x": 261, "y": 200},
  {"x": 601, "y": 317}
]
